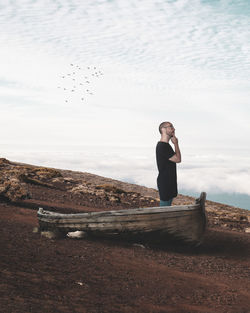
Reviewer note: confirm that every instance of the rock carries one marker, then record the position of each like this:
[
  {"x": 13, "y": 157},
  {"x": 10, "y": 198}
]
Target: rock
[
  {"x": 35, "y": 230},
  {"x": 14, "y": 179},
  {"x": 2, "y": 189},
  {"x": 46, "y": 173},
  {"x": 76, "y": 234},
  {"x": 34, "y": 181},
  {"x": 52, "y": 234},
  {"x": 57, "y": 180},
  {"x": 79, "y": 283},
  {"x": 81, "y": 189},
  {"x": 13, "y": 189},
  {"x": 68, "y": 179},
  {"x": 113, "y": 199},
  {"x": 133, "y": 196},
  {"x": 126, "y": 202},
  {"x": 139, "y": 245},
  {"x": 4, "y": 162},
  {"x": 110, "y": 188},
  {"x": 48, "y": 234},
  {"x": 243, "y": 218},
  {"x": 100, "y": 193}
]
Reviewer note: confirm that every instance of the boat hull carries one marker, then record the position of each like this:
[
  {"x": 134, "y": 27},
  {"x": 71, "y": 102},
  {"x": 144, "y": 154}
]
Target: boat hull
[{"x": 186, "y": 223}]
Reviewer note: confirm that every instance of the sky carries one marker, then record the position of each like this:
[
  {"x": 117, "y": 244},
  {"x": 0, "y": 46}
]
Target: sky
[{"x": 135, "y": 64}]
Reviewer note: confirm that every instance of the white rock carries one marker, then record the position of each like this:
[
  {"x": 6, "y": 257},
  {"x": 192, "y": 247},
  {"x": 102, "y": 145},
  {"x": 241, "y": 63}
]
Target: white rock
[
  {"x": 48, "y": 234},
  {"x": 52, "y": 234},
  {"x": 139, "y": 245},
  {"x": 79, "y": 283},
  {"x": 76, "y": 234}
]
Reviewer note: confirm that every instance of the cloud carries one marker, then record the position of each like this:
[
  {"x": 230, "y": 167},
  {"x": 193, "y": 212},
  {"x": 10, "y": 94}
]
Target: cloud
[
  {"x": 138, "y": 165},
  {"x": 215, "y": 180},
  {"x": 184, "y": 61},
  {"x": 179, "y": 33}
]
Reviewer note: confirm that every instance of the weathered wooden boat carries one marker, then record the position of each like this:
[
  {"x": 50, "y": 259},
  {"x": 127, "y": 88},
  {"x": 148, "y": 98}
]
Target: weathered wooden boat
[{"x": 182, "y": 222}]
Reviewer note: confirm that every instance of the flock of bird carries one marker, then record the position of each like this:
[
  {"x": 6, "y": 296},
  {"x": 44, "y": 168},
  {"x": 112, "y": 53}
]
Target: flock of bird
[{"x": 79, "y": 80}]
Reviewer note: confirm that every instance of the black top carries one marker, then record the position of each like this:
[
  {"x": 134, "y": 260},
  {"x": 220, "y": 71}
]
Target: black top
[{"x": 167, "y": 179}]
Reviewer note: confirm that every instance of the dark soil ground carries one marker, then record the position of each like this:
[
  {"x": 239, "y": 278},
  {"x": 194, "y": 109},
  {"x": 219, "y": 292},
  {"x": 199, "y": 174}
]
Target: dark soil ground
[{"x": 103, "y": 275}]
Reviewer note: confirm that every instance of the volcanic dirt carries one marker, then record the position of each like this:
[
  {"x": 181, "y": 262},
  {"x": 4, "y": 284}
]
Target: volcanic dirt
[{"x": 103, "y": 275}]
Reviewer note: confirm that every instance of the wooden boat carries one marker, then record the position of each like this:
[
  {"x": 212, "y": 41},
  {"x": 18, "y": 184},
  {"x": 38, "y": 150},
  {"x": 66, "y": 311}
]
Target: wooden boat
[{"x": 183, "y": 222}]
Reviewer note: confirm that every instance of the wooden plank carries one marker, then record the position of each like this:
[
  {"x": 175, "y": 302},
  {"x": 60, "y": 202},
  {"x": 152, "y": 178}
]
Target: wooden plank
[
  {"x": 185, "y": 233},
  {"x": 150, "y": 224},
  {"x": 114, "y": 219},
  {"x": 90, "y": 216},
  {"x": 154, "y": 210}
]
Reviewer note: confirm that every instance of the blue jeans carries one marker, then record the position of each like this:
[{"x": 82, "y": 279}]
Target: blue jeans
[{"x": 166, "y": 203}]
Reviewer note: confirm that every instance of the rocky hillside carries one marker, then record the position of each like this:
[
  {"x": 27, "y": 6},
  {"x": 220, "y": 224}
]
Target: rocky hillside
[{"x": 36, "y": 186}]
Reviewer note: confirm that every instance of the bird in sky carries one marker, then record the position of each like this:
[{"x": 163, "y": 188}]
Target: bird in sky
[{"x": 77, "y": 83}]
